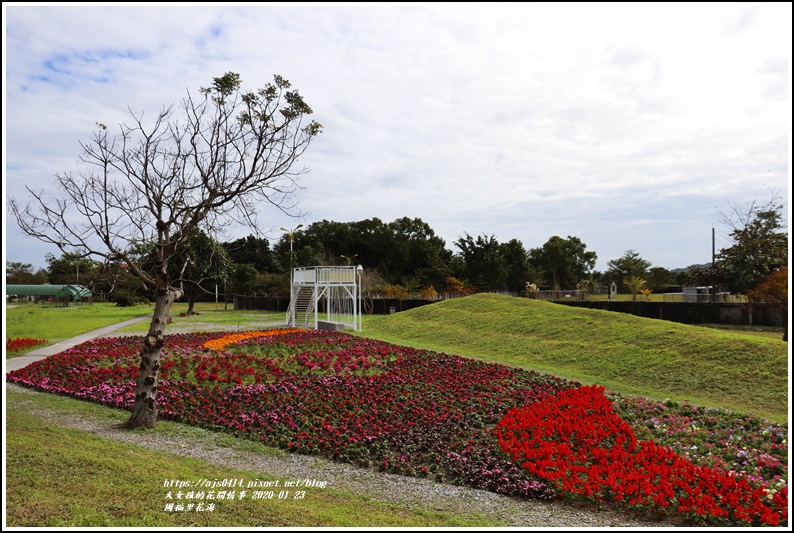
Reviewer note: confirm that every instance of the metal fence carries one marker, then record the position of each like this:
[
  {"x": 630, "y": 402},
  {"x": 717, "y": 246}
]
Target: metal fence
[
  {"x": 569, "y": 295},
  {"x": 719, "y": 298}
]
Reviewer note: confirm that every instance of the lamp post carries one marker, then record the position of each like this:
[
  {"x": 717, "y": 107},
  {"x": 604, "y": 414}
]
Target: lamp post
[
  {"x": 291, "y": 240},
  {"x": 359, "y": 270},
  {"x": 349, "y": 259},
  {"x": 291, "y": 273}
]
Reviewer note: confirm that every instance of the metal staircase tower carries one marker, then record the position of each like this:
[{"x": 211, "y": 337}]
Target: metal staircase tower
[{"x": 337, "y": 288}]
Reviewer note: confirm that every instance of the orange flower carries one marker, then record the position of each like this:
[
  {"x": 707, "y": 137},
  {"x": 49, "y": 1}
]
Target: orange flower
[{"x": 223, "y": 342}]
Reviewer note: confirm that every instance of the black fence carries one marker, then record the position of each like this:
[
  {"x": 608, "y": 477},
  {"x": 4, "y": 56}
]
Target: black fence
[
  {"x": 693, "y": 313},
  {"x": 261, "y": 303},
  {"x": 683, "y": 312},
  {"x": 380, "y": 306}
]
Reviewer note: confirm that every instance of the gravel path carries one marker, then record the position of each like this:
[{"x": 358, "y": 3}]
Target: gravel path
[{"x": 378, "y": 486}]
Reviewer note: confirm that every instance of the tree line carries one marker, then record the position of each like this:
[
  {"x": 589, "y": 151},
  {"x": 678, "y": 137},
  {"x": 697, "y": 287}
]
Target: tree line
[{"x": 406, "y": 257}]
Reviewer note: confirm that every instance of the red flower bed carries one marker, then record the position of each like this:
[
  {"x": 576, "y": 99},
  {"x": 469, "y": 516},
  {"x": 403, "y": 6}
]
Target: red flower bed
[
  {"x": 367, "y": 402},
  {"x": 576, "y": 441},
  {"x": 408, "y": 411},
  {"x": 17, "y": 345}
]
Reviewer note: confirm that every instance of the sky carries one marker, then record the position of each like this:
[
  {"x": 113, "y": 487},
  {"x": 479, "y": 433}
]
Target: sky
[{"x": 629, "y": 126}]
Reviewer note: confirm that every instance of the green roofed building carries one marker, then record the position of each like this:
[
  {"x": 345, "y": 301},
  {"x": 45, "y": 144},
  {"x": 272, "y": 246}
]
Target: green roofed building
[{"x": 37, "y": 293}]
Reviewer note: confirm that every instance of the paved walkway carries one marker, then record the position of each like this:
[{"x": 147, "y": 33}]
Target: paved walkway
[{"x": 42, "y": 353}]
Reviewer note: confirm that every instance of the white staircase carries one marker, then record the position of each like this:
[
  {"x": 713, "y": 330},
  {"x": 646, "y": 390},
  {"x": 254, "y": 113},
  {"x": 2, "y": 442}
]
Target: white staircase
[{"x": 303, "y": 303}]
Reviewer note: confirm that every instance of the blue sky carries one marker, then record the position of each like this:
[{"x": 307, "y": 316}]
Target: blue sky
[{"x": 628, "y": 126}]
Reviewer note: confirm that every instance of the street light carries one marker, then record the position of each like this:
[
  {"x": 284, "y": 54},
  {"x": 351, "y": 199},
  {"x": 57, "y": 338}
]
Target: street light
[
  {"x": 349, "y": 259},
  {"x": 359, "y": 270},
  {"x": 291, "y": 240}
]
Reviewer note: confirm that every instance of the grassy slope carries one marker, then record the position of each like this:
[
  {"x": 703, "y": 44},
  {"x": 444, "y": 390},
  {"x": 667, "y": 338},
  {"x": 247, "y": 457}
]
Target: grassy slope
[{"x": 628, "y": 354}]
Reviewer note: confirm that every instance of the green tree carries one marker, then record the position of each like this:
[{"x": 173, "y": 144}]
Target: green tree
[
  {"x": 405, "y": 251},
  {"x": 254, "y": 251},
  {"x": 759, "y": 246},
  {"x": 204, "y": 263},
  {"x": 517, "y": 268},
  {"x": 122, "y": 286},
  {"x": 272, "y": 284},
  {"x": 243, "y": 279},
  {"x": 484, "y": 264},
  {"x": 211, "y": 160},
  {"x": 629, "y": 265},
  {"x": 22, "y": 274},
  {"x": 659, "y": 278},
  {"x": 564, "y": 262},
  {"x": 316, "y": 244},
  {"x": 68, "y": 268},
  {"x": 683, "y": 277},
  {"x": 423, "y": 253},
  {"x": 634, "y": 284}
]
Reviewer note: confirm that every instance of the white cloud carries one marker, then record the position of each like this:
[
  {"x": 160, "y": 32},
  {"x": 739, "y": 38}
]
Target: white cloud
[{"x": 623, "y": 125}]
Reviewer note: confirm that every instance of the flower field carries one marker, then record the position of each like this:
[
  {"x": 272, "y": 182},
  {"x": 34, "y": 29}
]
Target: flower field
[
  {"x": 17, "y": 345},
  {"x": 458, "y": 420},
  {"x": 577, "y": 441}
]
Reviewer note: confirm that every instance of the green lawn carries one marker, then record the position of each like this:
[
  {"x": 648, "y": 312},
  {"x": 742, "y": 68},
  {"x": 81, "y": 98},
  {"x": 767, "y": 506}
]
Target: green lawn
[
  {"x": 46, "y": 321},
  {"x": 210, "y": 318},
  {"x": 631, "y": 355},
  {"x": 55, "y": 324}
]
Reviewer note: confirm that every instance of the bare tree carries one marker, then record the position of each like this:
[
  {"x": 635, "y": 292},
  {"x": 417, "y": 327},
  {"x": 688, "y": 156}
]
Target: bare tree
[
  {"x": 736, "y": 216},
  {"x": 209, "y": 162}
]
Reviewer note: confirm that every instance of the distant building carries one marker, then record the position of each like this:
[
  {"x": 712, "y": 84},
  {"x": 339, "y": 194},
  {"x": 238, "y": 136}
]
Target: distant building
[
  {"x": 36, "y": 293},
  {"x": 704, "y": 294}
]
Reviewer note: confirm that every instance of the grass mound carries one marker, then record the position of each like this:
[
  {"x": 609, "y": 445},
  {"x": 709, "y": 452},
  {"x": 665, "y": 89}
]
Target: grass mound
[{"x": 631, "y": 355}]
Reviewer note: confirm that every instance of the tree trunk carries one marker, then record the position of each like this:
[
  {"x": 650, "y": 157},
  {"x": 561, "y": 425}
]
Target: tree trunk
[
  {"x": 191, "y": 292},
  {"x": 144, "y": 412}
]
